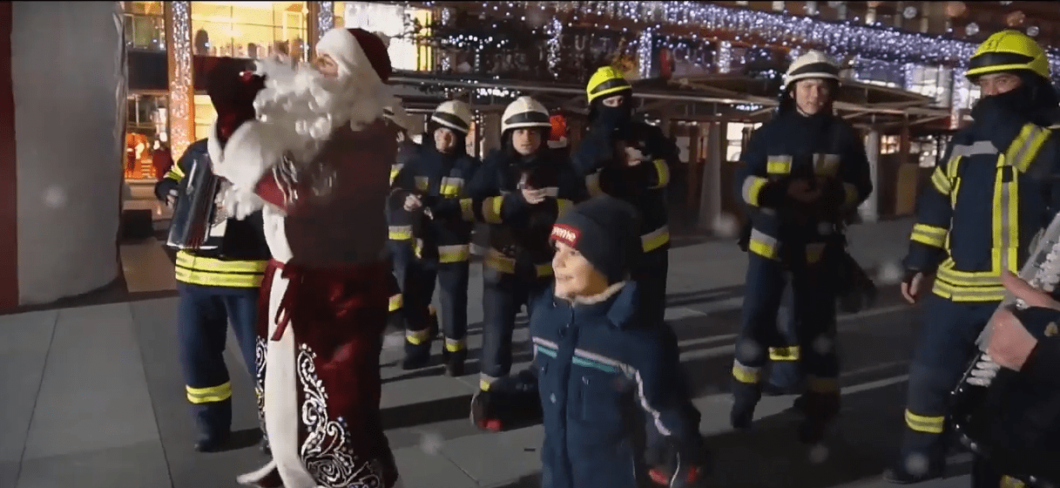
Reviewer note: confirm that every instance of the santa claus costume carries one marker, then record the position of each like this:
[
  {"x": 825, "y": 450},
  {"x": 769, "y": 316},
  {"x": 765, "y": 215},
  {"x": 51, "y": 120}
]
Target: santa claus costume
[{"x": 317, "y": 153}]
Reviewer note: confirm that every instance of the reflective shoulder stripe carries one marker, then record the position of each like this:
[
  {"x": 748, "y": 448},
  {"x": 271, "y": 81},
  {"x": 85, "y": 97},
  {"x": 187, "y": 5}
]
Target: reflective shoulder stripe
[
  {"x": 940, "y": 181},
  {"x": 975, "y": 149},
  {"x": 1025, "y": 147}
]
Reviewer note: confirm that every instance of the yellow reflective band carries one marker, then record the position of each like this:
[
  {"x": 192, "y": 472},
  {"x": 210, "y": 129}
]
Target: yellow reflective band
[
  {"x": 752, "y": 186},
  {"x": 947, "y": 273},
  {"x": 417, "y": 337},
  {"x": 225, "y": 280},
  {"x": 562, "y": 206},
  {"x": 544, "y": 269},
  {"x": 592, "y": 184},
  {"x": 454, "y": 345},
  {"x": 1010, "y": 482},
  {"x": 820, "y": 384},
  {"x": 451, "y": 186},
  {"x": 484, "y": 381},
  {"x": 786, "y": 353},
  {"x": 400, "y": 232},
  {"x": 962, "y": 294},
  {"x": 664, "y": 174},
  {"x": 454, "y": 254},
  {"x": 422, "y": 183},
  {"x": 394, "y": 170},
  {"x": 850, "y": 195},
  {"x": 1025, "y": 147},
  {"x": 920, "y": 423},
  {"x": 929, "y": 235},
  {"x": 176, "y": 170},
  {"x": 814, "y": 252},
  {"x": 467, "y": 211},
  {"x": 212, "y": 394},
  {"x": 825, "y": 164},
  {"x": 491, "y": 209},
  {"x": 396, "y": 302},
  {"x": 1005, "y": 222},
  {"x": 497, "y": 261},
  {"x": 941, "y": 182},
  {"x": 655, "y": 239},
  {"x": 778, "y": 165},
  {"x": 763, "y": 245},
  {"x": 174, "y": 175},
  {"x": 200, "y": 263},
  {"x": 746, "y": 374}
]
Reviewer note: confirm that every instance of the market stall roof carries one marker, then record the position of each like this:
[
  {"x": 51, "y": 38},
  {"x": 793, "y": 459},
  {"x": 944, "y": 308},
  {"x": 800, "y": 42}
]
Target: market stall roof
[{"x": 711, "y": 97}]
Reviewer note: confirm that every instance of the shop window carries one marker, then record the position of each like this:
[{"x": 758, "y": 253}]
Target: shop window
[
  {"x": 146, "y": 126},
  {"x": 204, "y": 116},
  {"x": 145, "y": 27},
  {"x": 391, "y": 20},
  {"x": 736, "y": 135},
  {"x": 252, "y": 30},
  {"x": 889, "y": 144}
]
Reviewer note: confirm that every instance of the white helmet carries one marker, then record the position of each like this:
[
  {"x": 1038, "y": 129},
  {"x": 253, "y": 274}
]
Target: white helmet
[
  {"x": 523, "y": 113},
  {"x": 453, "y": 114},
  {"x": 402, "y": 119},
  {"x": 813, "y": 64}
]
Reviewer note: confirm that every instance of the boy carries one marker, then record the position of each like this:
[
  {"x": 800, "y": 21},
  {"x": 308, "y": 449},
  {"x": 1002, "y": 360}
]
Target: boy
[{"x": 599, "y": 366}]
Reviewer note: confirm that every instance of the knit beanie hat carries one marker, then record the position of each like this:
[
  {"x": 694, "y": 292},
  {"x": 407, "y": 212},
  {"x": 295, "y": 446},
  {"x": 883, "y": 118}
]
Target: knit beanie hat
[
  {"x": 357, "y": 52},
  {"x": 604, "y": 230}
]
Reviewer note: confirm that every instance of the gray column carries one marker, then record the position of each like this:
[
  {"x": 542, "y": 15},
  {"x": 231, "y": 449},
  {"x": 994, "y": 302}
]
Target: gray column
[
  {"x": 710, "y": 195},
  {"x": 869, "y": 209}
]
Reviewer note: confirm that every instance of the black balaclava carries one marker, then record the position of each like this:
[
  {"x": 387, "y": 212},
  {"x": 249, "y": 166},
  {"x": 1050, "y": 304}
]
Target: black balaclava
[
  {"x": 428, "y": 141},
  {"x": 1035, "y": 99},
  {"x": 614, "y": 118}
]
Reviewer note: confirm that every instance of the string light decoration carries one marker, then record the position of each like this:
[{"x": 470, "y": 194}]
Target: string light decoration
[
  {"x": 181, "y": 82},
  {"x": 325, "y": 19},
  {"x": 644, "y": 52},
  {"x": 555, "y": 35},
  {"x": 838, "y": 39}
]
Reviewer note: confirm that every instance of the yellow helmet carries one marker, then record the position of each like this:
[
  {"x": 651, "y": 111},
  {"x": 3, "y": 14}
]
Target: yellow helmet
[
  {"x": 606, "y": 81},
  {"x": 1008, "y": 50}
]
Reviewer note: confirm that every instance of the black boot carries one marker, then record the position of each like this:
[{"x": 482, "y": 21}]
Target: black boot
[
  {"x": 212, "y": 443},
  {"x": 745, "y": 398},
  {"x": 417, "y": 356},
  {"x": 454, "y": 362},
  {"x": 901, "y": 475}
]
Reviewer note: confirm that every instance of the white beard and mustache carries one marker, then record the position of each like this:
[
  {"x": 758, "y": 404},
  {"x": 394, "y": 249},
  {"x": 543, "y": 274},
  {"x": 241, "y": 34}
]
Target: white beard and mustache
[{"x": 306, "y": 107}]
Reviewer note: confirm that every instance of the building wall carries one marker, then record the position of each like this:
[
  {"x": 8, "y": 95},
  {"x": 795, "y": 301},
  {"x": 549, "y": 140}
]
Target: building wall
[{"x": 68, "y": 109}]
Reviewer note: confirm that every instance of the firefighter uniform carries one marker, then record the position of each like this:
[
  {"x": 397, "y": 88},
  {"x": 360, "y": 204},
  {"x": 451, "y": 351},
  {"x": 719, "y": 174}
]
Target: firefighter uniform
[
  {"x": 987, "y": 200},
  {"x": 399, "y": 221},
  {"x": 518, "y": 264},
  {"x": 603, "y": 157},
  {"x": 442, "y": 253},
  {"x": 215, "y": 288},
  {"x": 800, "y": 242}
]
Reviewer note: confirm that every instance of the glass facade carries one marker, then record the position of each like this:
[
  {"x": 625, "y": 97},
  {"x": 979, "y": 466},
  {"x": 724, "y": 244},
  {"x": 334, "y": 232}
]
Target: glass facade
[
  {"x": 145, "y": 27},
  {"x": 392, "y": 21},
  {"x": 251, "y": 30}
]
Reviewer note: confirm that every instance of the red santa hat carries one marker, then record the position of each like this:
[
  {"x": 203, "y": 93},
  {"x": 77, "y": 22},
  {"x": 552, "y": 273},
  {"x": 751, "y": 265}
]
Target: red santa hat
[
  {"x": 232, "y": 87},
  {"x": 558, "y": 137},
  {"x": 357, "y": 52}
]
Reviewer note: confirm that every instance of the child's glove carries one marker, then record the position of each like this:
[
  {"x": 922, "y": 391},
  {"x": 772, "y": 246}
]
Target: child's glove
[{"x": 680, "y": 470}]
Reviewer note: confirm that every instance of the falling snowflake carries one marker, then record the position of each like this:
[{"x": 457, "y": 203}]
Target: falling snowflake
[
  {"x": 725, "y": 225},
  {"x": 818, "y": 454},
  {"x": 431, "y": 443},
  {"x": 55, "y": 197},
  {"x": 890, "y": 273}
]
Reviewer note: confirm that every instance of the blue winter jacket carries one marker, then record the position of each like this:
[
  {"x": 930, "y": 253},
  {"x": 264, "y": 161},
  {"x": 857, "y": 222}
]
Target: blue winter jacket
[{"x": 601, "y": 373}]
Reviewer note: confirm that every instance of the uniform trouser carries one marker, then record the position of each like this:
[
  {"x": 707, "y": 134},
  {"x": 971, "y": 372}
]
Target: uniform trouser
[
  {"x": 785, "y": 371},
  {"x": 203, "y": 315},
  {"x": 650, "y": 275},
  {"x": 401, "y": 253},
  {"x": 813, "y": 307},
  {"x": 945, "y": 348},
  {"x": 453, "y": 279},
  {"x": 502, "y": 297}
]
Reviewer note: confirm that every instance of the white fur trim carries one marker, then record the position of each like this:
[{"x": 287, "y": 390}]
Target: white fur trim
[
  {"x": 247, "y": 156},
  {"x": 562, "y": 142},
  {"x": 340, "y": 44},
  {"x": 254, "y": 477},
  {"x": 282, "y": 398},
  {"x": 602, "y": 296}
]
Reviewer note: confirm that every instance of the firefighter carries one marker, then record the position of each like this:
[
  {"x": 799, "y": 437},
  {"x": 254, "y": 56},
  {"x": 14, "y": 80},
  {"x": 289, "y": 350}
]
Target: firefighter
[
  {"x": 519, "y": 192},
  {"x": 216, "y": 288},
  {"x": 630, "y": 160},
  {"x": 801, "y": 172},
  {"x": 988, "y": 198},
  {"x": 432, "y": 186}
]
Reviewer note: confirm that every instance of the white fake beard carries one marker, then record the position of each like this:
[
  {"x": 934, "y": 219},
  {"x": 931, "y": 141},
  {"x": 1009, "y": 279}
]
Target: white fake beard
[{"x": 309, "y": 106}]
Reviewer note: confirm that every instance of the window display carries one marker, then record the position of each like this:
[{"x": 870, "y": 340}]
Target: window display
[
  {"x": 249, "y": 29},
  {"x": 145, "y": 27},
  {"x": 146, "y": 132}
]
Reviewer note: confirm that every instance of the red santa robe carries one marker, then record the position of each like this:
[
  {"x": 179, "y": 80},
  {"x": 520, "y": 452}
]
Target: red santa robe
[{"x": 324, "y": 305}]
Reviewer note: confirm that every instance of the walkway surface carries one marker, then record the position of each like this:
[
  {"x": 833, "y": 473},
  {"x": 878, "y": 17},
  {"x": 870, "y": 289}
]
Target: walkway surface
[{"x": 92, "y": 396}]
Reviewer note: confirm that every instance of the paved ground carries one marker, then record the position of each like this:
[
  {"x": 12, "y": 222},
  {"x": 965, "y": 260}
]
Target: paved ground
[{"x": 92, "y": 396}]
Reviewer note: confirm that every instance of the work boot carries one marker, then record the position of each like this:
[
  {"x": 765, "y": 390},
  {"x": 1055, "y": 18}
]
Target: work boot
[
  {"x": 212, "y": 442},
  {"x": 417, "y": 356},
  {"x": 745, "y": 398},
  {"x": 820, "y": 410},
  {"x": 454, "y": 361},
  {"x": 913, "y": 471}
]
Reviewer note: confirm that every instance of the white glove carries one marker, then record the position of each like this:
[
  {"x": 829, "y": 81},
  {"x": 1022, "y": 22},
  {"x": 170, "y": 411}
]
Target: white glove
[
  {"x": 240, "y": 203},
  {"x": 984, "y": 371}
]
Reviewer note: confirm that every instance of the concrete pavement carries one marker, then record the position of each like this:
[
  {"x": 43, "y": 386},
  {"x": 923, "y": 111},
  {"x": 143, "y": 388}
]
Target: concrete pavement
[{"x": 93, "y": 396}]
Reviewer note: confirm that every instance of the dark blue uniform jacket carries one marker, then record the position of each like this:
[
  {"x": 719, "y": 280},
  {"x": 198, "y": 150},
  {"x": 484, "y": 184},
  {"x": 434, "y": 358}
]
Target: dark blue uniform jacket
[
  {"x": 643, "y": 185},
  {"x": 601, "y": 373}
]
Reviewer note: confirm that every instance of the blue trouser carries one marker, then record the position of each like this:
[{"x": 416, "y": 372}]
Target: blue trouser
[
  {"x": 650, "y": 275},
  {"x": 785, "y": 372},
  {"x": 203, "y": 315},
  {"x": 401, "y": 253},
  {"x": 503, "y": 294},
  {"x": 419, "y": 291},
  {"x": 946, "y": 346},
  {"x": 813, "y": 308}
]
